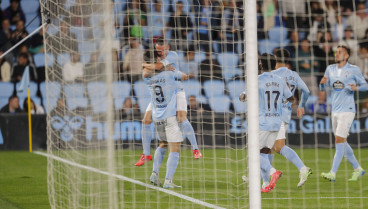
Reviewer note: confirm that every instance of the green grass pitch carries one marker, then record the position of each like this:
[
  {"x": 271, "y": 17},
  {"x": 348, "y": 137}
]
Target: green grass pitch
[{"x": 23, "y": 183}]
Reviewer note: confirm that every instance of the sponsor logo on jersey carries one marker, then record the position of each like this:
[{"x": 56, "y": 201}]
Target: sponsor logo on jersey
[{"x": 338, "y": 85}]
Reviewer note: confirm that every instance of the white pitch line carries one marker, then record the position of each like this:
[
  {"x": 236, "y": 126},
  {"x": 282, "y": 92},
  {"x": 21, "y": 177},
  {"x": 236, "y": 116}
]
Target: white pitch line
[
  {"x": 124, "y": 178},
  {"x": 293, "y": 198}
]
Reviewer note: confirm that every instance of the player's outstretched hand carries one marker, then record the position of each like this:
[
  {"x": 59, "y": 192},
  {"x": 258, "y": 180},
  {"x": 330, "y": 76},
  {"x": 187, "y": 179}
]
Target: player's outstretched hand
[
  {"x": 353, "y": 87},
  {"x": 300, "y": 112},
  {"x": 323, "y": 80}
]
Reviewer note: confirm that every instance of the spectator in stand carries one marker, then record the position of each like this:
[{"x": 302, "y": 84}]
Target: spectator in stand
[
  {"x": 5, "y": 34},
  {"x": 19, "y": 67},
  {"x": 338, "y": 28},
  {"x": 359, "y": 21},
  {"x": 364, "y": 106},
  {"x": 350, "y": 41},
  {"x": 94, "y": 70},
  {"x": 196, "y": 108},
  {"x": 5, "y": 69},
  {"x": 19, "y": 33},
  {"x": 293, "y": 12},
  {"x": 319, "y": 25},
  {"x": 331, "y": 8},
  {"x": 325, "y": 56},
  {"x": 180, "y": 25},
  {"x": 14, "y": 12},
  {"x": 63, "y": 41},
  {"x": 73, "y": 70},
  {"x": 59, "y": 110},
  {"x": 293, "y": 46},
  {"x": 209, "y": 68},
  {"x": 129, "y": 108},
  {"x": 320, "y": 106},
  {"x": 230, "y": 28},
  {"x": 204, "y": 21},
  {"x": 307, "y": 66},
  {"x": 80, "y": 13},
  {"x": 188, "y": 65},
  {"x": 132, "y": 62},
  {"x": 35, "y": 109},
  {"x": 134, "y": 19},
  {"x": 155, "y": 21},
  {"x": 12, "y": 106},
  {"x": 362, "y": 60},
  {"x": 36, "y": 42}
]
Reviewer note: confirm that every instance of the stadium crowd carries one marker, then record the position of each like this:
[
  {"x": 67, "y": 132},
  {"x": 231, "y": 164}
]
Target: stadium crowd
[{"x": 206, "y": 35}]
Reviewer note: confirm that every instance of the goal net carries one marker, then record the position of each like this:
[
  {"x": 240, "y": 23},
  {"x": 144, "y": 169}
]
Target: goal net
[{"x": 96, "y": 100}]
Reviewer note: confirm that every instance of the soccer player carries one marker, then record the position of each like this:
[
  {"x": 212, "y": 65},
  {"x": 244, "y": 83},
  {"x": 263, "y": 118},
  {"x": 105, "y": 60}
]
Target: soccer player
[
  {"x": 163, "y": 89},
  {"x": 343, "y": 79},
  {"x": 168, "y": 59},
  {"x": 294, "y": 81},
  {"x": 271, "y": 91}
]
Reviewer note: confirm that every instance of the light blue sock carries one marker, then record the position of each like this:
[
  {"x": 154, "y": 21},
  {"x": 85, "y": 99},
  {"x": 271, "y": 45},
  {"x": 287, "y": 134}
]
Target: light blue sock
[
  {"x": 339, "y": 154},
  {"x": 292, "y": 157},
  {"x": 172, "y": 164},
  {"x": 349, "y": 154},
  {"x": 146, "y": 138},
  {"x": 270, "y": 158},
  {"x": 157, "y": 160},
  {"x": 265, "y": 175},
  {"x": 188, "y": 131},
  {"x": 265, "y": 164}
]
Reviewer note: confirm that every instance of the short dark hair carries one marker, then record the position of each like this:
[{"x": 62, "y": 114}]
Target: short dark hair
[
  {"x": 12, "y": 97},
  {"x": 346, "y": 48},
  {"x": 267, "y": 62},
  {"x": 282, "y": 55},
  {"x": 160, "y": 41},
  {"x": 150, "y": 56},
  {"x": 24, "y": 55}
]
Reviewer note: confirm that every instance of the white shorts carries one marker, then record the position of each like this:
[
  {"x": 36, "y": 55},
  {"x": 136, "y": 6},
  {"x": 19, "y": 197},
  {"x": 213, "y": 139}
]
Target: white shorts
[
  {"x": 341, "y": 123},
  {"x": 283, "y": 130},
  {"x": 267, "y": 139},
  {"x": 181, "y": 102},
  {"x": 168, "y": 130}
]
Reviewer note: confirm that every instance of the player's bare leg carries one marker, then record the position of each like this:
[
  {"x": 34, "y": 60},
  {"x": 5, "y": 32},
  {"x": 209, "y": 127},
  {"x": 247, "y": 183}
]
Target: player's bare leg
[
  {"x": 188, "y": 131},
  {"x": 146, "y": 139}
]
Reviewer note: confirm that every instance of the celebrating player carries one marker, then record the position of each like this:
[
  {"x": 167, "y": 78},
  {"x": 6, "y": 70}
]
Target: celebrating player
[
  {"x": 343, "y": 79},
  {"x": 294, "y": 81},
  {"x": 163, "y": 89},
  {"x": 271, "y": 90},
  {"x": 168, "y": 59}
]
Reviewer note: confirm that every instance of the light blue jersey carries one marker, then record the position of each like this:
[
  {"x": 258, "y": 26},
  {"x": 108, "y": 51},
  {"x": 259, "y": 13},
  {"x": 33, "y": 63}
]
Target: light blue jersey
[
  {"x": 294, "y": 81},
  {"x": 163, "y": 88},
  {"x": 172, "y": 59},
  {"x": 341, "y": 93},
  {"x": 271, "y": 90}
]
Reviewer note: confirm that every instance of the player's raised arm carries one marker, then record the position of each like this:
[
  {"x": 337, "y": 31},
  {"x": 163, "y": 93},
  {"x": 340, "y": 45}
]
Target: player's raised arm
[{"x": 304, "y": 97}]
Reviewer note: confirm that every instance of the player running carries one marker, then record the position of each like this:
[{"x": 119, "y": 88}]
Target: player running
[
  {"x": 343, "y": 79},
  {"x": 271, "y": 91}
]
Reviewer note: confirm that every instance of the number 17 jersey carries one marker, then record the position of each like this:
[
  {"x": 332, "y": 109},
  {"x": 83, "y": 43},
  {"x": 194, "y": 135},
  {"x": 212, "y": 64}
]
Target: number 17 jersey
[
  {"x": 271, "y": 90},
  {"x": 163, "y": 88}
]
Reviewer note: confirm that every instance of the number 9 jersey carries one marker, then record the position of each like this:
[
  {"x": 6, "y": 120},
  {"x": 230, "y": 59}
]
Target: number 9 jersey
[{"x": 163, "y": 88}]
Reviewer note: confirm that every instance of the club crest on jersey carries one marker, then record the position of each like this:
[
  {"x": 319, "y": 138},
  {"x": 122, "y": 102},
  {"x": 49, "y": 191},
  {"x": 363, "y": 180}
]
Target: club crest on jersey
[{"x": 338, "y": 85}]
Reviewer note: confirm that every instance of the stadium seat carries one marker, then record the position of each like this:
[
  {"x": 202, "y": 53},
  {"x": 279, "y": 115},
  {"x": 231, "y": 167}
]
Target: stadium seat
[
  {"x": 199, "y": 57},
  {"x": 74, "y": 102},
  {"x": 278, "y": 34},
  {"x": 30, "y": 6},
  {"x": 143, "y": 104},
  {"x": 192, "y": 87},
  {"x": 41, "y": 59},
  {"x": 236, "y": 88},
  {"x": 213, "y": 88},
  {"x": 239, "y": 107},
  {"x": 7, "y": 89},
  {"x": 141, "y": 90},
  {"x": 54, "y": 90},
  {"x": 49, "y": 104},
  {"x": 3, "y": 101},
  {"x": 220, "y": 104},
  {"x": 33, "y": 90},
  {"x": 121, "y": 89},
  {"x": 229, "y": 65},
  {"x": 267, "y": 46},
  {"x": 85, "y": 58},
  {"x": 99, "y": 104},
  {"x": 87, "y": 47},
  {"x": 75, "y": 90},
  {"x": 63, "y": 58},
  {"x": 96, "y": 89}
]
